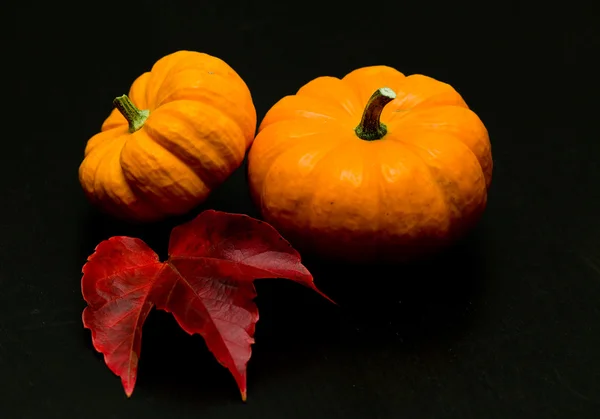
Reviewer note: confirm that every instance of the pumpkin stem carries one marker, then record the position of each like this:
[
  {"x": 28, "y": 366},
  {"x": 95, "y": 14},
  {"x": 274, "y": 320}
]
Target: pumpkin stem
[
  {"x": 134, "y": 116},
  {"x": 370, "y": 127}
]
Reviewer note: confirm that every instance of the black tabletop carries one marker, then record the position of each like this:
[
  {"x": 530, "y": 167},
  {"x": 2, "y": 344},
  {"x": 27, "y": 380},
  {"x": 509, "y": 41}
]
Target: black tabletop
[{"x": 504, "y": 325}]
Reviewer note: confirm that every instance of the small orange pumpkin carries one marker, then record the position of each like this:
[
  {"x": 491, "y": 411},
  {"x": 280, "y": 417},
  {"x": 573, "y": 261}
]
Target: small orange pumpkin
[
  {"x": 376, "y": 166},
  {"x": 182, "y": 130}
]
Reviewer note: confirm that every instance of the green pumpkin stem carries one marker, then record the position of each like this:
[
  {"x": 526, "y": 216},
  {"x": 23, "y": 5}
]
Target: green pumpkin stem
[
  {"x": 371, "y": 128},
  {"x": 135, "y": 117}
]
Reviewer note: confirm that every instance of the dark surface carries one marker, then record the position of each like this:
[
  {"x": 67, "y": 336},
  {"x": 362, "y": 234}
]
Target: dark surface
[{"x": 505, "y": 326}]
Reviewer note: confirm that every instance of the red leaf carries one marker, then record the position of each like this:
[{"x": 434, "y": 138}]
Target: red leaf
[
  {"x": 116, "y": 283},
  {"x": 206, "y": 284}
]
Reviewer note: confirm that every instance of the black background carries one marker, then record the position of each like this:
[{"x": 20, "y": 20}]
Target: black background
[{"x": 506, "y": 325}]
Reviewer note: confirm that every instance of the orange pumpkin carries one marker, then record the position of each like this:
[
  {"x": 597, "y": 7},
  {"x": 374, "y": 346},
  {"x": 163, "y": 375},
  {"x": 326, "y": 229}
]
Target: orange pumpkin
[
  {"x": 376, "y": 166},
  {"x": 182, "y": 130}
]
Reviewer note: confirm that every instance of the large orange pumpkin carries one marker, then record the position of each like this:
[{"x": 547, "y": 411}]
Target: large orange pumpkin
[
  {"x": 182, "y": 130},
  {"x": 376, "y": 166}
]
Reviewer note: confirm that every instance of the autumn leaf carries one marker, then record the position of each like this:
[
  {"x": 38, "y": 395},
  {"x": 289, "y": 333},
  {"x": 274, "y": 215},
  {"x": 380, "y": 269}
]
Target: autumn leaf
[
  {"x": 206, "y": 283},
  {"x": 116, "y": 283}
]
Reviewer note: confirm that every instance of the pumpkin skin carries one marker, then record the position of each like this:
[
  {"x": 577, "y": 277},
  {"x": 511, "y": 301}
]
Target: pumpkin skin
[
  {"x": 414, "y": 191},
  {"x": 198, "y": 123}
]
